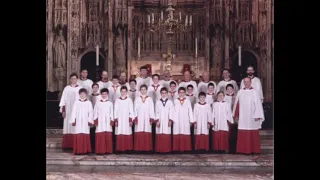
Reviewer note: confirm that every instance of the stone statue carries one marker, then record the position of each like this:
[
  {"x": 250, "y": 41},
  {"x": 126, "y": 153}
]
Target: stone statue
[
  {"x": 59, "y": 50},
  {"x": 119, "y": 49},
  {"x": 216, "y": 45}
]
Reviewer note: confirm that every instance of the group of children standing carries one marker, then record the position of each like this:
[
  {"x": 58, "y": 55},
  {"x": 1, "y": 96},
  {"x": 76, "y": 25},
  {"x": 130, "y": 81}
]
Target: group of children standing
[{"x": 174, "y": 111}]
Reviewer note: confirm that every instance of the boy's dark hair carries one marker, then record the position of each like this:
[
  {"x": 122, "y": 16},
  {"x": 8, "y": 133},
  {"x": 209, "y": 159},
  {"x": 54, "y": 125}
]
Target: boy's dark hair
[
  {"x": 210, "y": 84},
  {"x": 163, "y": 89},
  {"x": 104, "y": 90},
  {"x": 172, "y": 82},
  {"x": 84, "y": 69},
  {"x": 73, "y": 74},
  {"x": 123, "y": 87},
  {"x": 145, "y": 86},
  {"x": 143, "y": 67},
  {"x": 202, "y": 94},
  {"x": 189, "y": 86},
  {"x": 182, "y": 89},
  {"x": 154, "y": 75},
  {"x": 115, "y": 77},
  {"x": 94, "y": 84},
  {"x": 229, "y": 85},
  {"x": 132, "y": 80},
  {"x": 225, "y": 69},
  {"x": 83, "y": 90}
]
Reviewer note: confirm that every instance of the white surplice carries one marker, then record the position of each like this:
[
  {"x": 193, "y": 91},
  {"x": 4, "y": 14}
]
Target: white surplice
[
  {"x": 183, "y": 116},
  {"x": 210, "y": 98},
  {"x": 114, "y": 92},
  {"x": 223, "y": 84},
  {"x": 230, "y": 100},
  {"x": 133, "y": 94},
  {"x": 222, "y": 113},
  {"x": 164, "y": 112},
  {"x": 69, "y": 96},
  {"x": 82, "y": 114},
  {"x": 154, "y": 92},
  {"x": 87, "y": 84},
  {"x": 250, "y": 107},
  {"x": 144, "y": 111},
  {"x": 103, "y": 84},
  {"x": 103, "y": 111},
  {"x": 140, "y": 81},
  {"x": 193, "y": 99},
  {"x": 256, "y": 84},
  {"x": 123, "y": 110},
  {"x": 94, "y": 98},
  {"x": 172, "y": 95},
  {"x": 164, "y": 83},
  {"x": 202, "y": 115}
]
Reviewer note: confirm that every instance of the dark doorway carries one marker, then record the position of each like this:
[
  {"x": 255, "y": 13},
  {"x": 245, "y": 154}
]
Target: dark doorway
[
  {"x": 239, "y": 72},
  {"x": 88, "y": 61}
]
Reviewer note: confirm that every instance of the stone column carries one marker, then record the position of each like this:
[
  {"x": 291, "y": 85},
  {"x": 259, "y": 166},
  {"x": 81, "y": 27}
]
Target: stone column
[
  {"x": 109, "y": 63},
  {"x": 207, "y": 43},
  {"x": 50, "y": 41},
  {"x": 269, "y": 56},
  {"x": 226, "y": 36},
  {"x": 69, "y": 42},
  {"x": 130, "y": 49}
]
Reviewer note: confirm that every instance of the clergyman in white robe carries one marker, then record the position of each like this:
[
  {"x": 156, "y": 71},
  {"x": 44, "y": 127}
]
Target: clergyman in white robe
[
  {"x": 69, "y": 95},
  {"x": 248, "y": 109},
  {"x": 256, "y": 84}
]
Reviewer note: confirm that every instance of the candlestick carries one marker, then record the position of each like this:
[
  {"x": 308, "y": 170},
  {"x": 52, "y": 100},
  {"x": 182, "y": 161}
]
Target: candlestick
[
  {"x": 239, "y": 62},
  {"x": 97, "y": 55},
  {"x": 148, "y": 19},
  {"x": 196, "y": 47},
  {"x": 190, "y": 19},
  {"x": 161, "y": 15},
  {"x": 180, "y": 16},
  {"x": 138, "y": 47}
]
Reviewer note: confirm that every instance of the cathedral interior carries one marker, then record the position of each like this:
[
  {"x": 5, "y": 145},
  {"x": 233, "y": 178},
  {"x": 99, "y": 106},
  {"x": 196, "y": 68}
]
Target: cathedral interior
[{"x": 203, "y": 35}]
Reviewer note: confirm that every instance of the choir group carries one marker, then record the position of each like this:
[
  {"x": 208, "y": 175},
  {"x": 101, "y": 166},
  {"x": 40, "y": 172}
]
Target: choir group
[{"x": 133, "y": 111}]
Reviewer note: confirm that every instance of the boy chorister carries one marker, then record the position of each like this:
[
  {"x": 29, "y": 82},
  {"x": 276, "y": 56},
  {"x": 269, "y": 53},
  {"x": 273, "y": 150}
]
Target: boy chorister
[
  {"x": 192, "y": 97},
  {"x": 95, "y": 96},
  {"x": 103, "y": 120},
  {"x": 173, "y": 93},
  {"x": 133, "y": 93},
  {"x": 164, "y": 114},
  {"x": 114, "y": 90},
  {"x": 123, "y": 116},
  {"x": 210, "y": 94},
  {"x": 203, "y": 117},
  {"x": 182, "y": 120},
  {"x": 70, "y": 94},
  {"x": 82, "y": 118},
  {"x": 222, "y": 114},
  {"x": 230, "y": 95},
  {"x": 154, "y": 88},
  {"x": 144, "y": 111}
]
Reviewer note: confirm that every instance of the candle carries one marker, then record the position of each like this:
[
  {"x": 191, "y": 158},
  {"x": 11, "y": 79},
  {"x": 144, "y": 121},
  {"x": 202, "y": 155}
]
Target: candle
[
  {"x": 180, "y": 16},
  {"x": 186, "y": 20},
  {"x": 190, "y": 19},
  {"x": 97, "y": 55},
  {"x": 239, "y": 62},
  {"x": 138, "y": 47},
  {"x": 161, "y": 15},
  {"x": 196, "y": 47},
  {"x": 152, "y": 16},
  {"x": 148, "y": 19}
]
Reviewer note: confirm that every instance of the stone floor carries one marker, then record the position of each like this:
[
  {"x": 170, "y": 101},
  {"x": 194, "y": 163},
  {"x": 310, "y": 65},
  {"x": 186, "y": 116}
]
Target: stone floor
[{"x": 156, "y": 176}]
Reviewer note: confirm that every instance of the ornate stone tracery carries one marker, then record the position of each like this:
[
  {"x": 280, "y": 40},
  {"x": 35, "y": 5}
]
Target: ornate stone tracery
[{"x": 116, "y": 25}]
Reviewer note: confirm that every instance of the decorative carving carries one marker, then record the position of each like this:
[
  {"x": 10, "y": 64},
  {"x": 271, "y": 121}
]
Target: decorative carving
[
  {"x": 119, "y": 50},
  {"x": 59, "y": 50}
]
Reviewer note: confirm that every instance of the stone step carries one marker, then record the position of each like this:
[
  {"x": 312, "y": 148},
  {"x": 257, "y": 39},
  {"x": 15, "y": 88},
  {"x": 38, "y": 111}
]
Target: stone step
[
  {"x": 60, "y": 157},
  {"x": 54, "y": 141}
]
